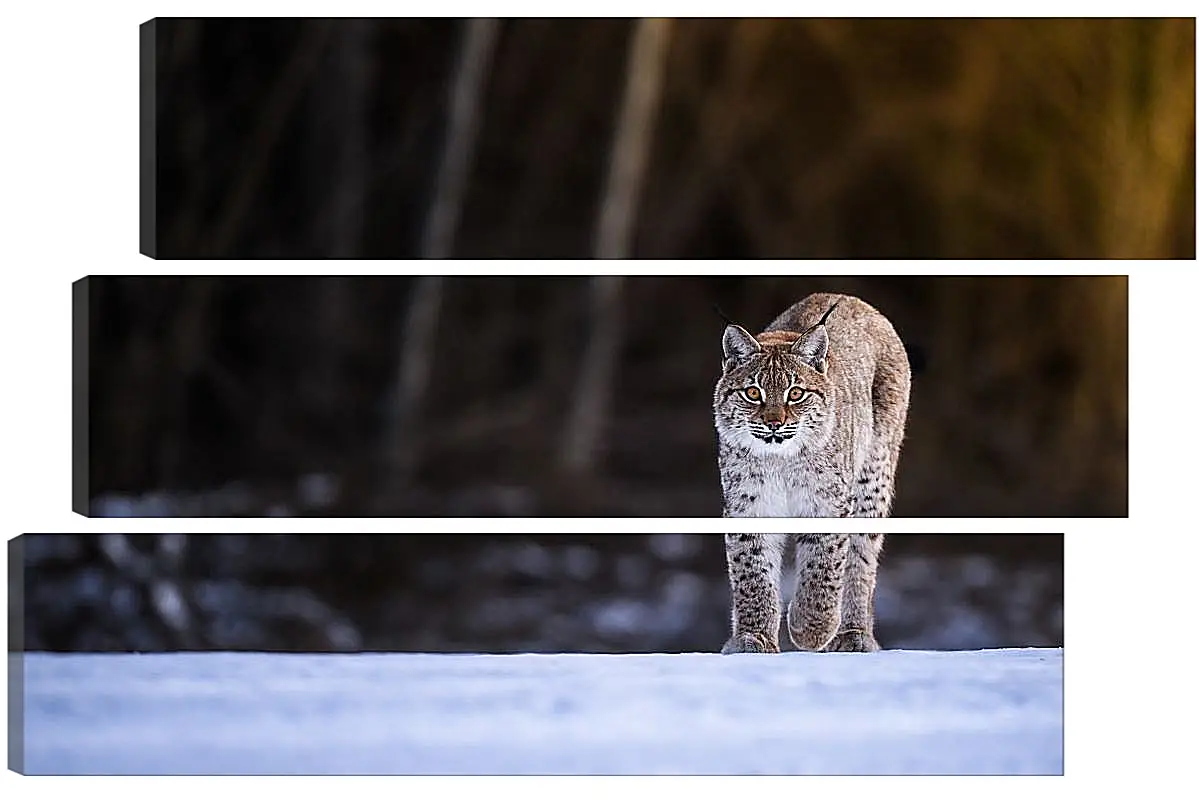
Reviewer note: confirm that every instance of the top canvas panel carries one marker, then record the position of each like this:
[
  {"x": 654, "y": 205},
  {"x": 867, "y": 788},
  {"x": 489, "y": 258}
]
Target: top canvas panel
[{"x": 665, "y": 138}]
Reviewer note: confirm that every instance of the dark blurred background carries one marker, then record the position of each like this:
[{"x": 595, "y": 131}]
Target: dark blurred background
[
  {"x": 506, "y": 593},
  {"x": 724, "y": 138},
  {"x": 561, "y": 396}
]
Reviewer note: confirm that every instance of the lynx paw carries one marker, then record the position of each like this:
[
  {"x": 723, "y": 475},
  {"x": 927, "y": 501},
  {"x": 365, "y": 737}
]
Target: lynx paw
[
  {"x": 810, "y": 631},
  {"x": 852, "y": 642},
  {"x": 749, "y": 643}
]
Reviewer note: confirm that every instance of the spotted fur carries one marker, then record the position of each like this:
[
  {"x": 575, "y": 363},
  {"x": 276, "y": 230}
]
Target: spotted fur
[{"x": 809, "y": 418}]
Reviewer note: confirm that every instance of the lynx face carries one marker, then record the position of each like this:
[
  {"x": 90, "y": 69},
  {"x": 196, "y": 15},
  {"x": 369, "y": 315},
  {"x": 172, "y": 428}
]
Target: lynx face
[{"x": 773, "y": 394}]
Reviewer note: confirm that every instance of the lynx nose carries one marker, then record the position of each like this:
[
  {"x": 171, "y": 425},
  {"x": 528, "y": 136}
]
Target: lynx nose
[{"x": 773, "y": 424}]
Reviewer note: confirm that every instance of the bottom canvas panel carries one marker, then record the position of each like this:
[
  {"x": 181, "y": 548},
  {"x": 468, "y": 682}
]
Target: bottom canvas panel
[{"x": 540, "y": 654}]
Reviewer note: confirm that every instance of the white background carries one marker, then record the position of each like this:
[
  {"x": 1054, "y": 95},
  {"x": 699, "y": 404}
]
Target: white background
[{"x": 69, "y": 178}]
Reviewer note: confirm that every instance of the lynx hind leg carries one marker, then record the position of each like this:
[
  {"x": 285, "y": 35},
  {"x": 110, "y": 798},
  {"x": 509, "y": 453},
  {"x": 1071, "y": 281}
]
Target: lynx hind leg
[
  {"x": 874, "y": 488},
  {"x": 755, "y": 563},
  {"x": 856, "y": 633},
  {"x": 814, "y": 615}
]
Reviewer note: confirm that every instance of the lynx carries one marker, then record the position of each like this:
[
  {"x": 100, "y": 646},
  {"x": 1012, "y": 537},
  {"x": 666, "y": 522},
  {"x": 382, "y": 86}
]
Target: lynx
[{"x": 810, "y": 415}]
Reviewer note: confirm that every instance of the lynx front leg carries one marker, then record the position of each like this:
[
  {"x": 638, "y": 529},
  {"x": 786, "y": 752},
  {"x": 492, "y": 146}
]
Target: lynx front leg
[
  {"x": 815, "y": 611},
  {"x": 856, "y": 634},
  {"x": 755, "y": 566}
]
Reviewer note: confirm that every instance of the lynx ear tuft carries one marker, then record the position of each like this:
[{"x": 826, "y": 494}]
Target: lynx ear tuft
[
  {"x": 824, "y": 319},
  {"x": 812, "y": 348},
  {"x": 738, "y": 344}
]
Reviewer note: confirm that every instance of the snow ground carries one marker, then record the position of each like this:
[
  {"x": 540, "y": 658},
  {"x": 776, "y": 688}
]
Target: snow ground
[{"x": 894, "y": 712}]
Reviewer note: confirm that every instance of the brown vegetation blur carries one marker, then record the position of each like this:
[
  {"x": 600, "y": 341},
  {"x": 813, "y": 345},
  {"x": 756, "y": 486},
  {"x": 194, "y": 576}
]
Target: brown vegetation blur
[
  {"x": 482, "y": 396},
  {"x": 813, "y": 138}
]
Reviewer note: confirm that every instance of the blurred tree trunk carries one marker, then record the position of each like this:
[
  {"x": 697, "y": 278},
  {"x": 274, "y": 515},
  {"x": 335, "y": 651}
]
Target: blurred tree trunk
[
  {"x": 335, "y": 324},
  {"x": 255, "y": 161},
  {"x": 1093, "y": 328},
  {"x": 618, "y": 212},
  {"x": 403, "y": 440},
  {"x": 403, "y": 437},
  {"x": 593, "y": 391},
  {"x": 348, "y": 92},
  {"x": 180, "y": 82},
  {"x": 722, "y": 113},
  {"x": 1147, "y": 134},
  {"x": 183, "y": 356},
  {"x": 123, "y": 422},
  {"x": 461, "y": 133},
  {"x": 634, "y": 136}
]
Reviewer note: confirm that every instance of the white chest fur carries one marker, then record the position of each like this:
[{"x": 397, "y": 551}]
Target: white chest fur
[{"x": 784, "y": 493}]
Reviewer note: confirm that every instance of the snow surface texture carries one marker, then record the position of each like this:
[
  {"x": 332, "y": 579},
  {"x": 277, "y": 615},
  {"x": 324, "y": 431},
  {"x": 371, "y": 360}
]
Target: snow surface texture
[{"x": 894, "y": 712}]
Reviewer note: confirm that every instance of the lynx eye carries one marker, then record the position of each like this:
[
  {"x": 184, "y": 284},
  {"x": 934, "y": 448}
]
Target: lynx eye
[
  {"x": 753, "y": 393},
  {"x": 796, "y": 394}
]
